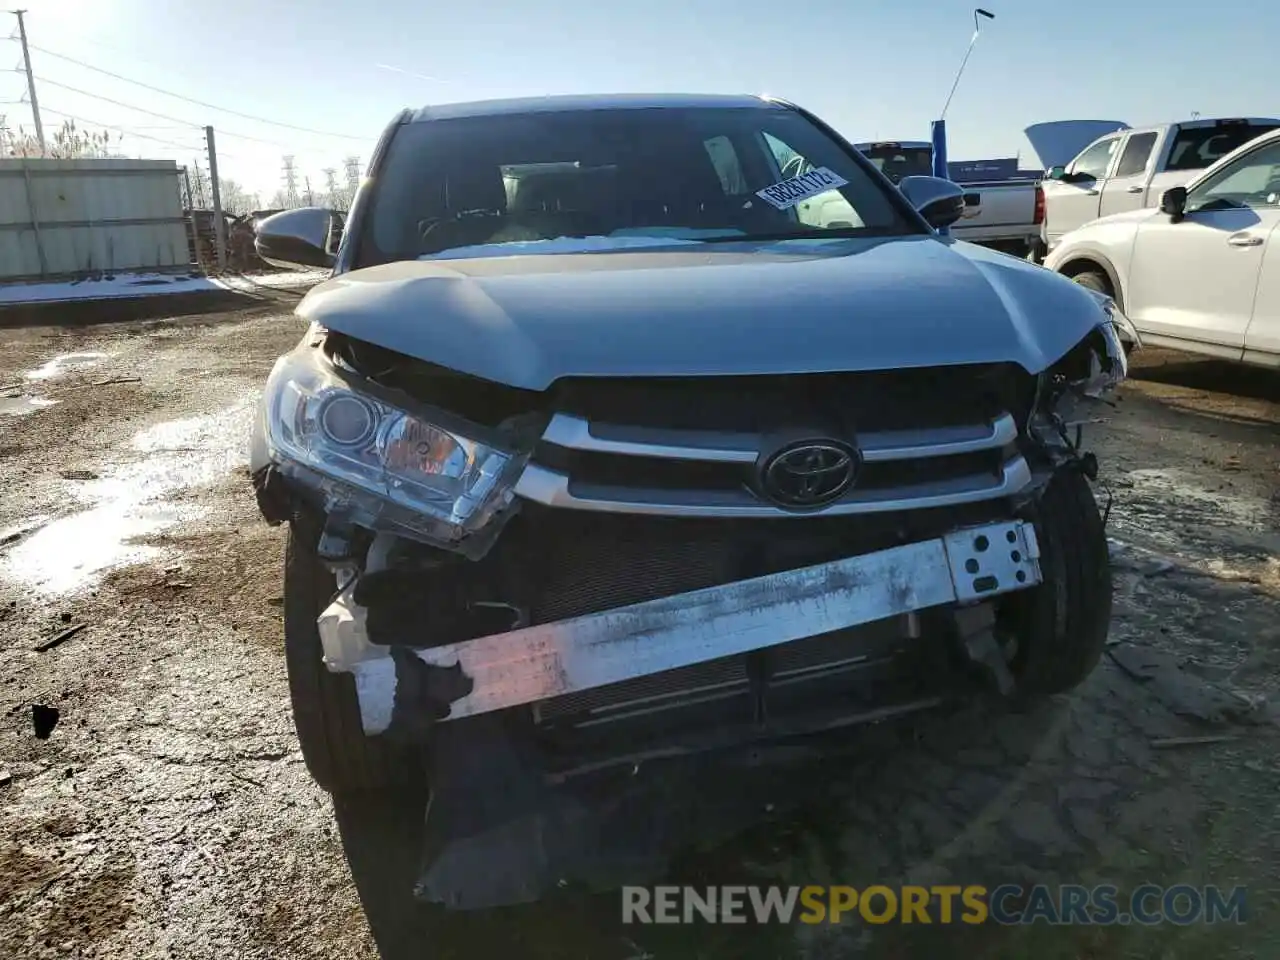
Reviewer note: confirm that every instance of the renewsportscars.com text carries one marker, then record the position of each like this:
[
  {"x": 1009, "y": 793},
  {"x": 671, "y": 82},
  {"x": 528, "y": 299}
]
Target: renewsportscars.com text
[{"x": 1066, "y": 904}]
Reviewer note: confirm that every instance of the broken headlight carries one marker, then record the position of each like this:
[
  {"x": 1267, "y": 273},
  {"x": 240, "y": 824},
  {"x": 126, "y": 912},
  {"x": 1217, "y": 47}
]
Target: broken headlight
[
  {"x": 377, "y": 464},
  {"x": 1072, "y": 390},
  {"x": 1093, "y": 368}
]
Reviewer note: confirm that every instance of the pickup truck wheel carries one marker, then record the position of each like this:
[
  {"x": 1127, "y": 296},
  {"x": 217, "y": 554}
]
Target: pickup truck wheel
[
  {"x": 1061, "y": 626},
  {"x": 338, "y": 754},
  {"x": 1094, "y": 280}
]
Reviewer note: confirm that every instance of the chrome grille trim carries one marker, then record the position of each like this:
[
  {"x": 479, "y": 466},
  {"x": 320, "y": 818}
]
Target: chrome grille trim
[
  {"x": 556, "y": 490},
  {"x": 576, "y": 433}
]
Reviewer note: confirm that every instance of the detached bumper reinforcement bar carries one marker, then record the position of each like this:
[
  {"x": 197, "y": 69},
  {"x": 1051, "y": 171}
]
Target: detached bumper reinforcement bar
[{"x": 553, "y": 659}]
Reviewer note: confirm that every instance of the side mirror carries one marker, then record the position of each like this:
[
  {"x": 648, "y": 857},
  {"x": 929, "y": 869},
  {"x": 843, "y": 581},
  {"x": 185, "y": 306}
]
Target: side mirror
[
  {"x": 1174, "y": 202},
  {"x": 939, "y": 201},
  {"x": 1058, "y": 172},
  {"x": 296, "y": 238}
]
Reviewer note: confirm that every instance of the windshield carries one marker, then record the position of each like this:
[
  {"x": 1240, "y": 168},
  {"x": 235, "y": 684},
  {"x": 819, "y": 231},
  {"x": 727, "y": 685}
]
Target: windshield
[
  {"x": 899, "y": 162},
  {"x": 631, "y": 176}
]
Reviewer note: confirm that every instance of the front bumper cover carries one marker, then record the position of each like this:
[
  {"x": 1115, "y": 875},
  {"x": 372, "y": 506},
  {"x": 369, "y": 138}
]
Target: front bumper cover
[{"x": 549, "y": 660}]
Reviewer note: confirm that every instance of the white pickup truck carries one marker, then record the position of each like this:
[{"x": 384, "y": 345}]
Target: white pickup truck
[
  {"x": 1004, "y": 213},
  {"x": 1128, "y": 169}
]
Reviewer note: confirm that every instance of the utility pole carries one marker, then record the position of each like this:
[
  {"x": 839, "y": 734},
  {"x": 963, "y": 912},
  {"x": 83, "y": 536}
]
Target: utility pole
[
  {"x": 198, "y": 198},
  {"x": 219, "y": 226},
  {"x": 331, "y": 187},
  {"x": 351, "y": 166},
  {"x": 311, "y": 200},
  {"x": 290, "y": 183},
  {"x": 31, "y": 83}
]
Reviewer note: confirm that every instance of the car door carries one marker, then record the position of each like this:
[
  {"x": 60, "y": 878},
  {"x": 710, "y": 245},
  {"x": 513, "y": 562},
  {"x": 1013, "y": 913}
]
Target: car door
[
  {"x": 1262, "y": 339},
  {"x": 1074, "y": 200},
  {"x": 1126, "y": 188},
  {"x": 1198, "y": 279}
]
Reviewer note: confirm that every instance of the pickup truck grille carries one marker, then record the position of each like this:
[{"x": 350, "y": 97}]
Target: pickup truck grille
[{"x": 690, "y": 448}]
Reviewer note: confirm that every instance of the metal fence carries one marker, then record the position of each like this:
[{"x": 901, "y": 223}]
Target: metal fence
[{"x": 77, "y": 218}]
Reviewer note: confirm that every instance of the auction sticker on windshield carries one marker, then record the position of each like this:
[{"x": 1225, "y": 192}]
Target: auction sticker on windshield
[{"x": 790, "y": 192}]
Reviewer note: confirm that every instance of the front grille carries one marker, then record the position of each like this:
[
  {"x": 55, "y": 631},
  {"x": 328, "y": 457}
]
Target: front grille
[
  {"x": 878, "y": 399},
  {"x": 692, "y": 447},
  {"x": 577, "y": 563},
  {"x": 627, "y": 494}
]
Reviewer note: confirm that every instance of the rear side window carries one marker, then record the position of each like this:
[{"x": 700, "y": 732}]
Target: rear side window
[
  {"x": 1195, "y": 148},
  {"x": 1136, "y": 153}
]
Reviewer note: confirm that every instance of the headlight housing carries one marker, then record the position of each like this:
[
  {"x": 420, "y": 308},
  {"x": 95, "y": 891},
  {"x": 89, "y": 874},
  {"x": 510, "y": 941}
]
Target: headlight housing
[
  {"x": 1119, "y": 336},
  {"x": 380, "y": 465},
  {"x": 1073, "y": 388}
]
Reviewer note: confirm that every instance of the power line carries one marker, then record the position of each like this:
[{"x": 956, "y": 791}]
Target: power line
[
  {"x": 153, "y": 113},
  {"x": 199, "y": 103},
  {"x": 112, "y": 126}
]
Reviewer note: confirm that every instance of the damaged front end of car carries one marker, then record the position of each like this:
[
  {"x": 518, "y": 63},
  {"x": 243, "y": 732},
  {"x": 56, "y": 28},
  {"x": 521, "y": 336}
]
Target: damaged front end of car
[{"x": 545, "y": 589}]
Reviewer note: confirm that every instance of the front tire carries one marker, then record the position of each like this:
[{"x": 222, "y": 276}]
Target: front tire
[
  {"x": 326, "y": 715},
  {"x": 1094, "y": 280},
  {"x": 1061, "y": 625}
]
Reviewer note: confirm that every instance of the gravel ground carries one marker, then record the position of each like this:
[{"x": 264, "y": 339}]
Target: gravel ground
[{"x": 168, "y": 812}]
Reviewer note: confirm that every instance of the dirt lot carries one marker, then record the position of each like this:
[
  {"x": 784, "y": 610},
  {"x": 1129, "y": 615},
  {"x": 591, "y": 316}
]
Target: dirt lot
[{"x": 168, "y": 813}]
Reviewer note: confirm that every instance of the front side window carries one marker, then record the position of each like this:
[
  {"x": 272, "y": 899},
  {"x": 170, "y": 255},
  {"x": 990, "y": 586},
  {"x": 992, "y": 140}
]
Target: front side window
[
  {"x": 1096, "y": 160},
  {"x": 826, "y": 210},
  {"x": 705, "y": 174},
  {"x": 1252, "y": 181}
]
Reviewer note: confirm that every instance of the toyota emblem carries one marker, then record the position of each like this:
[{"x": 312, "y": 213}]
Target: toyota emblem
[{"x": 809, "y": 473}]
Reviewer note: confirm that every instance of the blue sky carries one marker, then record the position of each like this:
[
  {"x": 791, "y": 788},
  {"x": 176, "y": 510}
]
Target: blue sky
[{"x": 873, "y": 68}]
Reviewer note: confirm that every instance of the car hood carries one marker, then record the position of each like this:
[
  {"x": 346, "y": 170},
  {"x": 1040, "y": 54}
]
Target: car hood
[
  {"x": 1059, "y": 141},
  {"x": 702, "y": 310}
]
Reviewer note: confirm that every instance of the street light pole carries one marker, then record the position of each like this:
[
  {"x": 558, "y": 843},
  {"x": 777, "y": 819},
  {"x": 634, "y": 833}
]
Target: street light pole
[
  {"x": 977, "y": 28},
  {"x": 938, "y": 134}
]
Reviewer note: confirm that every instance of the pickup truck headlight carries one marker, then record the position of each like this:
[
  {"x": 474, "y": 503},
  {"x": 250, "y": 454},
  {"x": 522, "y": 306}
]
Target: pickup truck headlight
[{"x": 381, "y": 466}]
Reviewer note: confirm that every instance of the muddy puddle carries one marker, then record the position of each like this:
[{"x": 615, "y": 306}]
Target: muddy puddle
[
  {"x": 1175, "y": 510},
  {"x": 19, "y": 406},
  {"x": 126, "y": 503}
]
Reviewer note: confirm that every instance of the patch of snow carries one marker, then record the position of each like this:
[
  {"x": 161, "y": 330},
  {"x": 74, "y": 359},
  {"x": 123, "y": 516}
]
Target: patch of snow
[
  {"x": 60, "y": 364},
  {"x": 149, "y": 284},
  {"x": 121, "y": 285},
  {"x": 276, "y": 281}
]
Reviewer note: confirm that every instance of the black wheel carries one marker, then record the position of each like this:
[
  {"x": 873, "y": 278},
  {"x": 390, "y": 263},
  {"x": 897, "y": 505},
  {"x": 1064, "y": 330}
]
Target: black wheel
[
  {"x": 382, "y": 837},
  {"x": 1094, "y": 280},
  {"x": 325, "y": 713},
  {"x": 1060, "y": 626}
]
